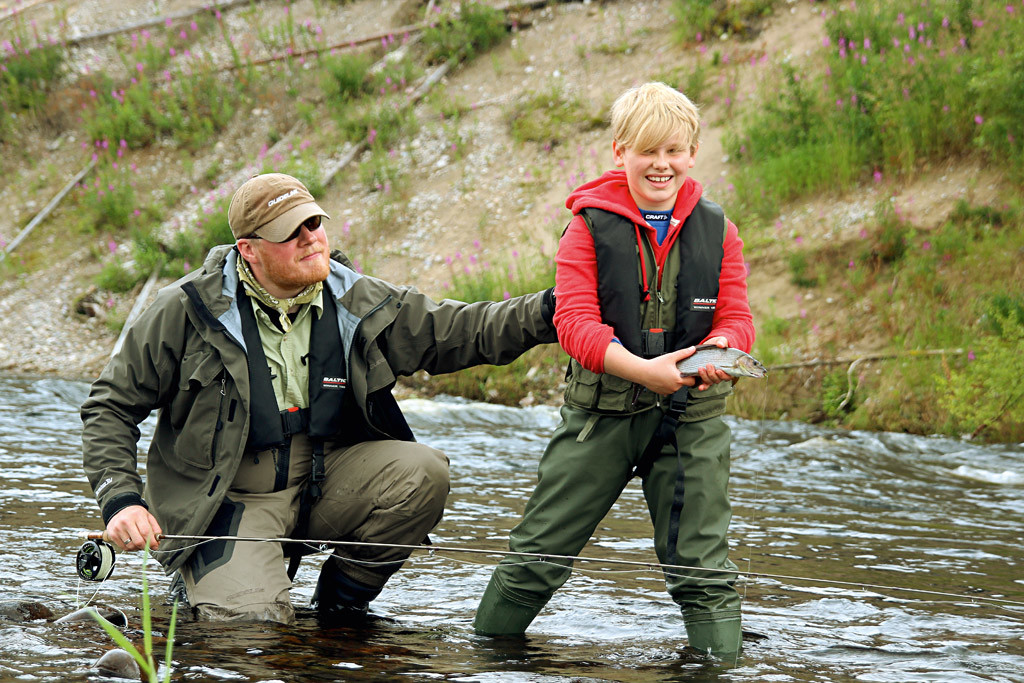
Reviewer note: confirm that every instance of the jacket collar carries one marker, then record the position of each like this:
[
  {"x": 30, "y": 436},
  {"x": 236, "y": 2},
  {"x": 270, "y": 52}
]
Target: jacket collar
[{"x": 217, "y": 285}]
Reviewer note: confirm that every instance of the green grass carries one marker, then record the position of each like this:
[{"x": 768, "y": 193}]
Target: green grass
[
  {"x": 956, "y": 286},
  {"x": 701, "y": 19},
  {"x": 902, "y": 86},
  {"x": 29, "y": 69},
  {"x": 478, "y": 276},
  {"x": 897, "y": 88},
  {"x": 536, "y": 375},
  {"x": 146, "y": 656}
]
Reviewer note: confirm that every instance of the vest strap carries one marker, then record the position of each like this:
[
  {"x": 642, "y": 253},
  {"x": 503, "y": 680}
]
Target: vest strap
[{"x": 294, "y": 421}]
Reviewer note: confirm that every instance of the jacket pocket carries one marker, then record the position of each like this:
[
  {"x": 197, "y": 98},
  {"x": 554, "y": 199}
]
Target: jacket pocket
[
  {"x": 599, "y": 392},
  {"x": 703, "y": 405},
  {"x": 196, "y": 411}
]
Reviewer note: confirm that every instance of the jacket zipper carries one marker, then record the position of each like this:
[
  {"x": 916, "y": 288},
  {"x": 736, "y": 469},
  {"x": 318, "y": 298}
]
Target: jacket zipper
[
  {"x": 657, "y": 309},
  {"x": 220, "y": 417}
]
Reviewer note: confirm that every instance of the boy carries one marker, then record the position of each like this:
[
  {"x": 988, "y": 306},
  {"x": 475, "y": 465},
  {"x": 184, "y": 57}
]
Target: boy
[{"x": 646, "y": 269}]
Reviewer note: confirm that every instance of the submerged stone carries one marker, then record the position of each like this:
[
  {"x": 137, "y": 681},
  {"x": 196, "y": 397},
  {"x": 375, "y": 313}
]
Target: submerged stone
[
  {"x": 118, "y": 663},
  {"x": 24, "y": 610}
]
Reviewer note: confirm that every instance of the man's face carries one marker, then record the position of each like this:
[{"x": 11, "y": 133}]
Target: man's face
[
  {"x": 286, "y": 268},
  {"x": 655, "y": 175}
]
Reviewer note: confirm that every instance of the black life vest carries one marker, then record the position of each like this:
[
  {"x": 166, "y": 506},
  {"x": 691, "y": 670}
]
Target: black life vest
[
  {"x": 700, "y": 252},
  {"x": 271, "y": 427}
]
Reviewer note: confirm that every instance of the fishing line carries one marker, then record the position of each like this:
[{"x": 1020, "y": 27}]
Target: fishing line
[
  {"x": 755, "y": 508},
  {"x": 684, "y": 571},
  {"x": 78, "y": 595}
]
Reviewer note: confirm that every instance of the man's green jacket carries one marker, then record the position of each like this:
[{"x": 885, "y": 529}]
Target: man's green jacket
[{"x": 185, "y": 357}]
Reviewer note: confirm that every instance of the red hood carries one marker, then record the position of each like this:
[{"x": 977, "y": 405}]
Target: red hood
[{"x": 611, "y": 193}]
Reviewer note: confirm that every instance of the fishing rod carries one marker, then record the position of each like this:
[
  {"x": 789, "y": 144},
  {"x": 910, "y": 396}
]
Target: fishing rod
[{"x": 96, "y": 561}]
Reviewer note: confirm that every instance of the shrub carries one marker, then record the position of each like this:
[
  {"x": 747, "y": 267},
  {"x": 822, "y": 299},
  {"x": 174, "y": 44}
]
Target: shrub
[
  {"x": 801, "y": 272},
  {"x": 108, "y": 202},
  {"x": 116, "y": 277},
  {"x": 345, "y": 77},
  {"x": 903, "y": 84},
  {"x": 190, "y": 246},
  {"x": 548, "y": 117},
  {"x": 474, "y": 277},
  {"x": 475, "y": 29},
  {"x": 835, "y": 387},
  {"x": 27, "y": 75},
  {"x": 986, "y": 394}
]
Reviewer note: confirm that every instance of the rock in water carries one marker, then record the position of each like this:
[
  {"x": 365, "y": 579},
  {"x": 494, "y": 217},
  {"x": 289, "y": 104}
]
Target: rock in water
[
  {"x": 118, "y": 663},
  {"x": 23, "y": 610}
]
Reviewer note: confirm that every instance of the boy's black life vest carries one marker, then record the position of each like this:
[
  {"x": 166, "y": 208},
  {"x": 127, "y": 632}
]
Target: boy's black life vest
[{"x": 621, "y": 295}]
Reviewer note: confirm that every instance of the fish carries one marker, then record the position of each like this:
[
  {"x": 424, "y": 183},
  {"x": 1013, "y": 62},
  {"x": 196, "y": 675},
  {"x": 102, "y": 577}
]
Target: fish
[
  {"x": 733, "y": 362},
  {"x": 91, "y": 613}
]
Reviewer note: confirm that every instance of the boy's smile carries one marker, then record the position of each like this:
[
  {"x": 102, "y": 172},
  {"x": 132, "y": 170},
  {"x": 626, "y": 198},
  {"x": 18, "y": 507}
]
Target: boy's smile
[{"x": 655, "y": 176}]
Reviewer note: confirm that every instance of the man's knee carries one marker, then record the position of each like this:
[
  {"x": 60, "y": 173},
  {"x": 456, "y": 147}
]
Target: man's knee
[
  {"x": 279, "y": 612},
  {"x": 418, "y": 473}
]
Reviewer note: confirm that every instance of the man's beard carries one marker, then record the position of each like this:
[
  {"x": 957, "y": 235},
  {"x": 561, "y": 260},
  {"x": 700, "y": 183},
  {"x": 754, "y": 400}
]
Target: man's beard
[{"x": 294, "y": 275}]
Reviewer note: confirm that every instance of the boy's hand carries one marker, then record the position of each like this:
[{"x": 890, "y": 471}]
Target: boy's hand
[{"x": 661, "y": 375}]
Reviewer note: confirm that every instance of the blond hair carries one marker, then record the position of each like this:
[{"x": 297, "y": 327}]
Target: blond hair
[{"x": 649, "y": 115}]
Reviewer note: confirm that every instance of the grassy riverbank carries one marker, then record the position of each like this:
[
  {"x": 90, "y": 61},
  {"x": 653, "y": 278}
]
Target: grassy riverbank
[{"x": 871, "y": 154}]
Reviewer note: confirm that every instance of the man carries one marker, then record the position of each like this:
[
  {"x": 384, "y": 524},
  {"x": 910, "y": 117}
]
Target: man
[{"x": 272, "y": 368}]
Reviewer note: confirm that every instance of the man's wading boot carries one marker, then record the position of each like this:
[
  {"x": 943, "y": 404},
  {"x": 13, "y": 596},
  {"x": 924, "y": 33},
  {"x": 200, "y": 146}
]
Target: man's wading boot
[
  {"x": 721, "y": 638},
  {"x": 499, "y": 616},
  {"x": 341, "y": 600}
]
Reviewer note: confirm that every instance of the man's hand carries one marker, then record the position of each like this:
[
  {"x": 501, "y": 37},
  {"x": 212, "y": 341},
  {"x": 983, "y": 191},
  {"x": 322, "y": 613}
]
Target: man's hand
[
  {"x": 709, "y": 374},
  {"x": 133, "y": 528}
]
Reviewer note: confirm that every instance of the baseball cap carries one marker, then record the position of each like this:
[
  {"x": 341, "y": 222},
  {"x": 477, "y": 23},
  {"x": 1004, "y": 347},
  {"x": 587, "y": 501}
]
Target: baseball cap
[{"x": 271, "y": 206}]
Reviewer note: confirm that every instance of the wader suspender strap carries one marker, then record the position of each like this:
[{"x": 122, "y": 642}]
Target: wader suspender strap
[
  {"x": 327, "y": 386},
  {"x": 665, "y": 435}
]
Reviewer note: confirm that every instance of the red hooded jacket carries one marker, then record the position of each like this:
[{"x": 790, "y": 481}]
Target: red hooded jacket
[{"x": 578, "y": 313}]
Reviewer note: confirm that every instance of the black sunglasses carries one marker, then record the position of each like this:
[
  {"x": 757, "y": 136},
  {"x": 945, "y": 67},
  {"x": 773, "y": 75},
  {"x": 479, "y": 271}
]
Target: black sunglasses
[{"x": 312, "y": 224}]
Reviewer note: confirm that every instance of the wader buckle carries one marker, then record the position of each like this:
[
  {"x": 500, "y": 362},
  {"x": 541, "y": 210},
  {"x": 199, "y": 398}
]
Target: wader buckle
[
  {"x": 318, "y": 473},
  {"x": 664, "y": 435}
]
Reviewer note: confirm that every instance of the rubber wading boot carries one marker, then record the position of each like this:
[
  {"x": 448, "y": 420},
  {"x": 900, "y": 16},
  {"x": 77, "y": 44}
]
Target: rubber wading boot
[
  {"x": 721, "y": 638},
  {"x": 339, "y": 599},
  {"x": 499, "y": 616}
]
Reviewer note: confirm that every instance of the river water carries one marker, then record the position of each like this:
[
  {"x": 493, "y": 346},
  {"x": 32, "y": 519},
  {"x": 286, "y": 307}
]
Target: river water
[{"x": 874, "y": 512}]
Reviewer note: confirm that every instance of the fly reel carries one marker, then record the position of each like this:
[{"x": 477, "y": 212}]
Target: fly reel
[{"x": 95, "y": 560}]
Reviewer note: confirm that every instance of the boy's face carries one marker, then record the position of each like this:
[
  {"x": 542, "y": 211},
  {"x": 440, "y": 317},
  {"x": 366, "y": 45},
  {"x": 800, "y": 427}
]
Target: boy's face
[{"x": 655, "y": 175}]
